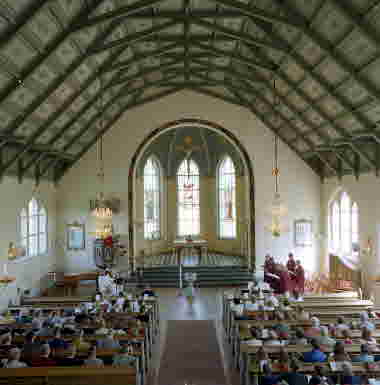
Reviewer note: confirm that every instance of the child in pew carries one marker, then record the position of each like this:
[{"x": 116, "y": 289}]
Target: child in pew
[
  {"x": 364, "y": 355},
  {"x": 125, "y": 357}
]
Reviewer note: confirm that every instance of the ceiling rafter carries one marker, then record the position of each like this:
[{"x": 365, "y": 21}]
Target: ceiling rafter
[
  {"x": 245, "y": 37},
  {"x": 128, "y": 106},
  {"x": 38, "y": 101},
  {"x": 251, "y": 11},
  {"x": 331, "y": 52},
  {"x": 48, "y": 50},
  {"x": 132, "y": 38},
  {"x": 306, "y": 140},
  {"x": 90, "y": 81},
  {"x": 124, "y": 91},
  {"x": 119, "y": 13},
  {"x": 317, "y": 78},
  {"x": 237, "y": 57},
  {"x": 15, "y": 26},
  {"x": 251, "y": 106},
  {"x": 136, "y": 58}
]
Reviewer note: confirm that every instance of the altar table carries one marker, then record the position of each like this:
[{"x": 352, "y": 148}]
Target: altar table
[{"x": 181, "y": 244}]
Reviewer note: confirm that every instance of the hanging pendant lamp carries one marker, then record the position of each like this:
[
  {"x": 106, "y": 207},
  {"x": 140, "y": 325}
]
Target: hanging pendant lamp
[
  {"x": 102, "y": 209},
  {"x": 277, "y": 209}
]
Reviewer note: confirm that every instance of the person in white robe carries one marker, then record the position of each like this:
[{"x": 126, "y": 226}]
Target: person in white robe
[{"x": 107, "y": 285}]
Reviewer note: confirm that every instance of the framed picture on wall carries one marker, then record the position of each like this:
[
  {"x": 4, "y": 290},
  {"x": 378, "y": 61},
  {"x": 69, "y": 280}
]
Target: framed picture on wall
[
  {"x": 303, "y": 232},
  {"x": 75, "y": 236}
]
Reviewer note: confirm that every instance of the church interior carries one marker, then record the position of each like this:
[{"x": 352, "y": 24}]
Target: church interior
[{"x": 190, "y": 192}]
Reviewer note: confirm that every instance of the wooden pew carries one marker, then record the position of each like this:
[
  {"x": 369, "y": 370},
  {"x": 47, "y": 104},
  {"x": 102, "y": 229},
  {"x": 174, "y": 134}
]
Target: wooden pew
[
  {"x": 70, "y": 375},
  {"x": 247, "y": 351}
]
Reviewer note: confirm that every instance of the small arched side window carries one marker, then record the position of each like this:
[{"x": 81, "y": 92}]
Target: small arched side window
[
  {"x": 226, "y": 180},
  {"x": 152, "y": 194},
  {"x": 343, "y": 225},
  {"x": 33, "y": 228}
]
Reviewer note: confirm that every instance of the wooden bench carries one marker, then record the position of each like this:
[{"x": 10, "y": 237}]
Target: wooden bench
[{"x": 70, "y": 375}]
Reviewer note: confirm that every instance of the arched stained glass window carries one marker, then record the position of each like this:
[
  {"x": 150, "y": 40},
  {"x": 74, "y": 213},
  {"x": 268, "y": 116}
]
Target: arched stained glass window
[
  {"x": 188, "y": 202},
  {"x": 227, "y": 198},
  {"x": 343, "y": 225},
  {"x": 152, "y": 193},
  {"x": 33, "y": 228}
]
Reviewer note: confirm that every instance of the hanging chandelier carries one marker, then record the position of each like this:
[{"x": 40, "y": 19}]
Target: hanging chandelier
[
  {"x": 101, "y": 208},
  {"x": 277, "y": 209}
]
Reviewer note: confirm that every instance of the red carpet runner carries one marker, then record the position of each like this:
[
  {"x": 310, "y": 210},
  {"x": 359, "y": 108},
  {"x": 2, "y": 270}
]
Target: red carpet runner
[{"x": 191, "y": 355}]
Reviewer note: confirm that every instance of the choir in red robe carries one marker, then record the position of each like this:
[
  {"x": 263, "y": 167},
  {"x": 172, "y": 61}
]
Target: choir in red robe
[{"x": 290, "y": 277}]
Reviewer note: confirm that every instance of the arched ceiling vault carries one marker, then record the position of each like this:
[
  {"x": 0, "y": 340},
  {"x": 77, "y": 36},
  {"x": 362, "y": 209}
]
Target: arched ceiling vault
[{"x": 324, "y": 55}]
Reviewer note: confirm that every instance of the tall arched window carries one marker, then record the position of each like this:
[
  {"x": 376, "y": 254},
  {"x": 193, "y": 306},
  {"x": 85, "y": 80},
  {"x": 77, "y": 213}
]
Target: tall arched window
[
  {"x": 152, "y": 192},
  {"x": 226, "y": 198},
  {"x": 188, "y": 203},
  {"x": 343, "y": 225},
  {"x": 33, "y": 220}
]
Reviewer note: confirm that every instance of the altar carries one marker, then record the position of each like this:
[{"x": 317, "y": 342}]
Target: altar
[{"x": 181, "y": 244}]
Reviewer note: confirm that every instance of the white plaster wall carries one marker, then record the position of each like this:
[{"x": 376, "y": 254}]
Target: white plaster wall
[
  {"x": 366, "y": 192},
  {"x": 30, "y": 273},
  {"x": 300, "y": 186}
]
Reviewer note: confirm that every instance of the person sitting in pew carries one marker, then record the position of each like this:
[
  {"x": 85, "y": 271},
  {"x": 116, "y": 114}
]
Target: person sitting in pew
[
  {"x": 268, "y": 378},
  {"x": 348, "y": 378},
  {"x": 367, "y": 338},
  {"x": 347, "y": 338},
  {"x": 7, "y": 343},
  {"x": 80, "y": 344},
  {"x": 339, "y": 354},
  {"x": 299, "y": 338},
  {"x": 364, "y": 355},
  {"x": 301, "y": 314},
  {"x": 58, "y": 343},
  {"x": 340, "y": 326},
  {"x": 323, "y": 338},
  {"x": 364, "y": 321},
  {"x": 272, "y": 298},
  {"x": 251, "y": 306},
  {"x": 237, "y": 307},
  {"x": 13, "y": 360},
  {"x": 92, "y": 360},
  {"x": 320, "y": 377},
  {"x": 68, "y": 357},
  {"x": 31, "y": 347},
  {"x": 37, "y": 321},
  {"x": 255, "y": 340},
  {"x": 315, "y": 329},
  {"x": 44, "y": 358},
  {"x": 108, "y": 342},
  {"x": 124, "y": 358},
  {"x": 273, "y": 338},
  {"x": 293, "y": 377},
  {"x": 102, "y": 330},
  {"x": 315, "y": 355},
  {"x": 47, "y": 330}
]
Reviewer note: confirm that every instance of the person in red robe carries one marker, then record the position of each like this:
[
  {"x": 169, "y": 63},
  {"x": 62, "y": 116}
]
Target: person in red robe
[
  {"x": 300, "y": 278},
  {"x": 269, "y": 267},
  {"x": 291, "y": 264},
  {"x": 285, "y": 282}
]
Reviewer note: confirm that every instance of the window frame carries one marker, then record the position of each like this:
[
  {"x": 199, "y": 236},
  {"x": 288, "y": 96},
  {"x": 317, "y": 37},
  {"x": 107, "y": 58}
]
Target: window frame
[
  {"x": 25, "y": 238},
  {"x": 157, "y": 163},
  {"x": 179, "y": 235},
  {"x": 218, "y": 200},
  {"x": 336, "y": 245}
]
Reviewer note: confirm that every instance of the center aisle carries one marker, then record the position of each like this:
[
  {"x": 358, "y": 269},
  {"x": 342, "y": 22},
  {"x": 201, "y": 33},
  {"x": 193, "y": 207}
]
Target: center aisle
[{"x": 192, "y": 355}]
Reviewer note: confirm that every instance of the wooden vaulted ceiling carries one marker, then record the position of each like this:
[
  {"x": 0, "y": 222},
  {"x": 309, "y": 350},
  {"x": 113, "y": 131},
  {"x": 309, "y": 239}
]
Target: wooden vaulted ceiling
[{"x": 64, "y": 64}]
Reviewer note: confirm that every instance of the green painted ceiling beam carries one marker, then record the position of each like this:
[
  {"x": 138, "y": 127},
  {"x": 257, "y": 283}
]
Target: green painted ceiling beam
[
  {"x": 126, "y": 107},
  {"x": 119, "y": 13},
  {"x": 132, "y": 38}
]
